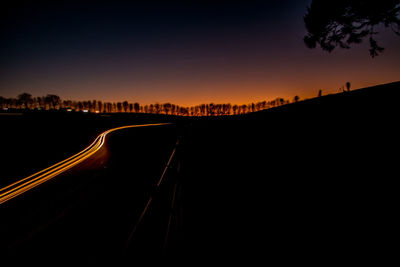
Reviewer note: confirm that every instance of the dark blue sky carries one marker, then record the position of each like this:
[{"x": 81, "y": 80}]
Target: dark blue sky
[{"x": 185, "y": 53}]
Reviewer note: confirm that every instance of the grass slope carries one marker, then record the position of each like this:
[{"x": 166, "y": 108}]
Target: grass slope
[{"x": 307, "y": 181}]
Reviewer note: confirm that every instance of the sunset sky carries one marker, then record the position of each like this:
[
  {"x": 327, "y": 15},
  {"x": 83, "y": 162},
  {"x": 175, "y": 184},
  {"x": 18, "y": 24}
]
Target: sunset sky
[{"x": 186, "y": 54}]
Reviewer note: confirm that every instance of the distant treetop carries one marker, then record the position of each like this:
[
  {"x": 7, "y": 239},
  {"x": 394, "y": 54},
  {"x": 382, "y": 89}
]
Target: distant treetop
[{"x": 332, "y": 23}]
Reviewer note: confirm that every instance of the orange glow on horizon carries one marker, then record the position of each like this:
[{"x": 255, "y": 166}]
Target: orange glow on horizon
[{"x": 237, "y": 94}]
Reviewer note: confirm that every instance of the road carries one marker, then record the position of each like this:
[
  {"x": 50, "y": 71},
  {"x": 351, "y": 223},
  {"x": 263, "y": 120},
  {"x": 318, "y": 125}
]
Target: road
[
  {"x": 84, "y": 208},
  {"x": 25, "y": 184}
]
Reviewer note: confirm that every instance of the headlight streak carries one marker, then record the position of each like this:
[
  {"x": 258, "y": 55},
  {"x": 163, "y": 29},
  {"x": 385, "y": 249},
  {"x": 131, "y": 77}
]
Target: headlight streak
[{"x": 25, "y": 184}]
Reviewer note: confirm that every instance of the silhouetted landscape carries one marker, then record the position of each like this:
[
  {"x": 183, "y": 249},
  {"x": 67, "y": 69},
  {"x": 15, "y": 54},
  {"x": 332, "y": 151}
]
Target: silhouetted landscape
[
  {"x": 26, "y": 102},
  {"x": 307, "y": 176},
  {"x": 199, "y": 132}
]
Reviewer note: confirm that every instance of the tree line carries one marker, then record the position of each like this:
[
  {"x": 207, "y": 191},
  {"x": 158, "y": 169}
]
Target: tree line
[{"x": 54, "y": 102}]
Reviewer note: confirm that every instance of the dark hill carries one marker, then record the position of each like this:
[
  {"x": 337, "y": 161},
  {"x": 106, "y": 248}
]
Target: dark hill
[
  {"x": 309, "y": 181},
  {"x": 373, "y": 99}
]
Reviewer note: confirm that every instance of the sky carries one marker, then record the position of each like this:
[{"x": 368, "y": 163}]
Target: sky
[{"x": 182, "y": 52}]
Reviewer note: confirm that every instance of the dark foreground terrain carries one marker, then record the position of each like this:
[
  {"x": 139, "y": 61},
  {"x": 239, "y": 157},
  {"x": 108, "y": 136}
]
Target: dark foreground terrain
[
  {"x": 86, "y": 215},
  {"x": 306, "y": 182}
]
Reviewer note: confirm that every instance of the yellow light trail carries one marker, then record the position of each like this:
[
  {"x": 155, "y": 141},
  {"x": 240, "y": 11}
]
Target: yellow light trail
[{"x": 25, "y": 184}]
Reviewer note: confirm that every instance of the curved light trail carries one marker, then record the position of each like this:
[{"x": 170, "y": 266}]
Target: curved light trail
[{"x": 25, "y": 184}]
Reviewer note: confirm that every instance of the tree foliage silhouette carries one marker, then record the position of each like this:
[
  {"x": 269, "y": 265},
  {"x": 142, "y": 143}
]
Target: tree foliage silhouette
[
  {"x": 25, "y": 99},
  {"x": 125, "y": 105},
  {"x": 348, "y": 86},
  {"x": 52, "y": 100},
  {"x": 344, "y": 22}
]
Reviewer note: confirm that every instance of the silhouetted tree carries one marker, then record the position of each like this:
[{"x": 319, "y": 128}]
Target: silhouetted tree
[
  {"x": 227, "y": 109},
  {"x": 12, "y": 102},
  {"x": 332, "y": 23},
  {"x": 25, "y": 99},
  {"x": 235, "y": 109},
  {"x": 244, "y": 109},
  {"x": 202, "y": 109},
  {"x": 280, "y": 101},
  {"x": 157, "y": 108},
  {"x": 348, "y": 86},
  {"x": 40, "y": 102},
  {"x": 93, "y": 108},
  {"x": 119, "y": 106},
  {"x": 3, "y": 102},
  {"x": 125, "y": 105},
  {"x": 53, "y": 100},
  {"x": 167, "y": 108},
  {"x": 100, "y": 106},
  {"x": 296, "y": 98},
  {"x": 85, "y": 105},
  {"x": 109, "y": 107},
  {"x": 136, "y": 107}
]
